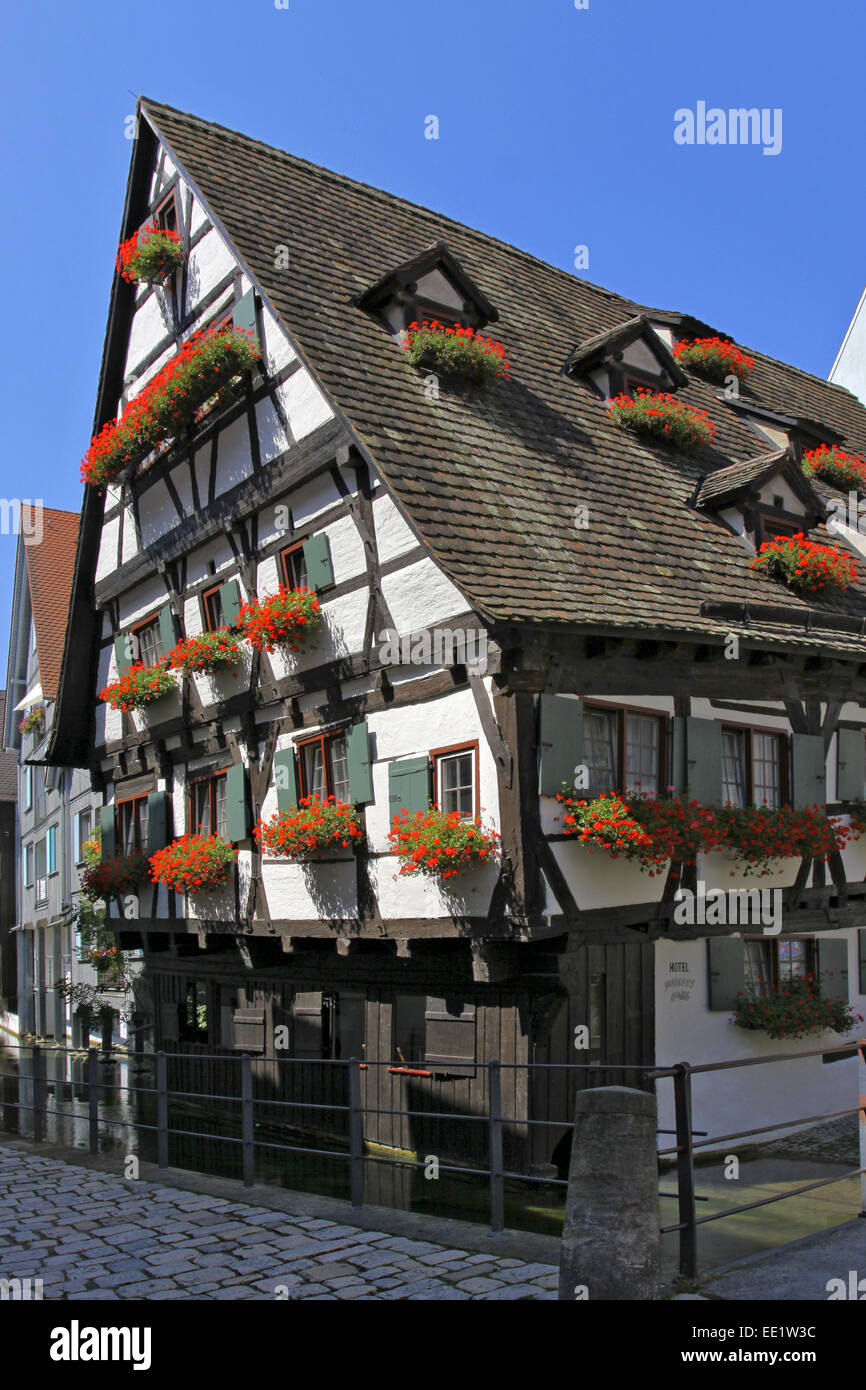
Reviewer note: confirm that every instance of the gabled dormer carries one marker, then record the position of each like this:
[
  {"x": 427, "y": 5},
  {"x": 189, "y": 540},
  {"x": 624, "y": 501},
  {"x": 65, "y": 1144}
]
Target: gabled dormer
[
  {"x": 627, "y": 358},
  {"x": 795, "y": 433},
  {"x": 761, "y": 498},
  {"x": 432, "y": 285}
]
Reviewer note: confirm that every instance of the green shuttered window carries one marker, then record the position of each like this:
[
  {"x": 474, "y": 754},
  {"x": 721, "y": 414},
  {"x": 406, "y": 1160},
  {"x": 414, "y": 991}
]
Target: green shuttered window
[
  {"x": 244, "y": 313},
  {"x": 317, "y": 558},
  {"x": 851, "y": 775},
  {"x": 236, "y": 803},
  {"x": 286, "y": 779},
  {"x": 726, "y": 962},
  {"x": 408, "y": 786},
  {"x": 808, "y": 768},
  {"x": 560, "y": 742},
  {"x": 359, "y": 764},
  {"x": 230, "y": 602},
  {"x": 157, "y": 821}
]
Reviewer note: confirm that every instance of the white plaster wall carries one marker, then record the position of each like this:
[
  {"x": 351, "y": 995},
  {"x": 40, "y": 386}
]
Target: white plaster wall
[
  {"x": 420, "y": 595},
  {"x": 150, "y": 323},
  {"x": 340, "y": 632},
  {"x": 107, "y": 561},
  {"x": 393, "y": 535},
  {"x": 273, "y": 439},
  {"x": 728, "y": 1101},
  {"x": 234, "y": 460},
  {"x": 156, "y": 512},
  {"x": 130, "y": 543},
  {"x": 143, "y": 599},
  {"x": 437, "y": 289},
  {"x": 311, "y": 499},
  {"x": 641, "y": 357},
  {"x": 778, "y": 486},
  {"x": 303, "y": 403},
  {"x": 849, "y": 369},
  {"x": 209, "y": 262},
  {"x": 277, "y": 351}
]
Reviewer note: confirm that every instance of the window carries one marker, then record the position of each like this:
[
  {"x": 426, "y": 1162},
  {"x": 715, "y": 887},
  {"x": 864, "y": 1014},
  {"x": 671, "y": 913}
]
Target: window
[
  {"x": 165, "y": 216},
  {"x": 28, "y": 787},
  {"x": 213, "y": 608},
  {"x": 52, "y": 849},
  {"x": 771, "y": 527},
  {"x": 753, "y": 768},
  {"x": 41, "y": 871},
  {"x": 324, "y": 766},
  {"x": 208, "y": 807},
  {"x": 455, "y": 780},
  {"x": 770, "y": 964},
  {"x": 634, "y": 386},
  {"x": 33, "y": 638},
  {"x": 440, "y": 312},
  {"x": 81, "y": 828},
  {"x": 28, "y": 866},
  {"x": 131, "y": 822},
  {"x": 613, "y": 739},
  {"x": 193, "y": 1013},
  {"x": 294, "y": 567},
  {"x": 146, "y": 645}
]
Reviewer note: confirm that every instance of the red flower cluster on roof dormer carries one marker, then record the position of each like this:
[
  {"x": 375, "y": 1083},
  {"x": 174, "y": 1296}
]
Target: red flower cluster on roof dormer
[
  {"x": 149, "y": 255},
  {"x": 455, "y": 350},
  {"x": 663, "y": 417},
  {"x": 835, "y": 467},
  {"x": 805, "y": 566},
  {"x": 714, "y": 357}
]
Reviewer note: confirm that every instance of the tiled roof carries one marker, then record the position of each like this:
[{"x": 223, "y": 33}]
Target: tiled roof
[
  {"x": 8, "y": 763},
  {"x": 727, "y": 482},
  {"x": 49, "y": 573},
  {"x": 492, "y": 479}
]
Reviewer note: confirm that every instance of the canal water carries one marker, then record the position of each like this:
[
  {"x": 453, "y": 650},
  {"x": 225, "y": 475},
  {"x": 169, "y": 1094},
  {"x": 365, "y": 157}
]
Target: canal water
[{"x": 204, "y": 1136}]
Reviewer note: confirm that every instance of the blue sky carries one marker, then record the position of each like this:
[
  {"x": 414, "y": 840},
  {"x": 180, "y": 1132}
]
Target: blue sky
[{"x": 555, "y": 129}]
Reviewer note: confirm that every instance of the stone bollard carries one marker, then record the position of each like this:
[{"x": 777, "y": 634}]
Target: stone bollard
[{"x": 610, "y": 1240}]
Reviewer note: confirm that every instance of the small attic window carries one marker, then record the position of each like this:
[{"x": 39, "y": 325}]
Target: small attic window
[
  {"x": 444, "y": 315},
  {"x": 165, "y": 216},
  {"x": 432, "y": 285},
  {"x": 634, "y": 385}
]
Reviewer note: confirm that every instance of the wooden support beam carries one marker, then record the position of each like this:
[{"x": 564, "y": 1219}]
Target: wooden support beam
[{"x": 493, "y": 961}]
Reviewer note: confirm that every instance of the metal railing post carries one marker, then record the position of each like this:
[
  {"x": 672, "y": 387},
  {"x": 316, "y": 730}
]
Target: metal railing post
[
  {"x": 37, "y": 1069},
  {"x": 861, "y": 1092},
  {"x": 161, "y": 1110},
  {"x": 685, "y": 1171},
  {"x": 356, "y": 1135},
  {"x": 93, "y": 1100},
  {"x": 497, "y": 1180},
  {"x": 247, "y": 1121}
]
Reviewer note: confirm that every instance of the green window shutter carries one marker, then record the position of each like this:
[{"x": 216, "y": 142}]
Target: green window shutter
[
  {"x": 359, "y": 765},
  {"x": 808, "y": 769},
  {"x": 833, "y": 968},
  {"x": 286, "y": 779},
  {"x": 861, "y": 935},
  {"x": 109, "y": 836},
  {"x": 317, "y": 558},
  {"x": 123, "y": 652},
  {"x": 408, "y": 786},
  {"x": 167, "y": 638},
  {"x": 244, "y": 313},
  {"x": 678, "y": 754},
  {"x": 560, "y": 742},
  {"x": 236, "y": 803},
  {"x": 157, "y": 821},
  {"x": 230, "y": 601},
  {"x": 726, "y": 959},
  {"x": 851, "y": 752},
  {"x": 450, "y": 1036},
  {"x": 703, "y": 762}
]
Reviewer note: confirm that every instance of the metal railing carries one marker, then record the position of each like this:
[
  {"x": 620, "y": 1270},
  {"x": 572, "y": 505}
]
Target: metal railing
[{"x": 356, "y": 1153}]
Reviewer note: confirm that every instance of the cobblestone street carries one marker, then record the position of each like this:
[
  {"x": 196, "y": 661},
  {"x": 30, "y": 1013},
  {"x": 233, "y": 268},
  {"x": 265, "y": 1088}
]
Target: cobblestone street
[{"x": 89, "y": 1235}]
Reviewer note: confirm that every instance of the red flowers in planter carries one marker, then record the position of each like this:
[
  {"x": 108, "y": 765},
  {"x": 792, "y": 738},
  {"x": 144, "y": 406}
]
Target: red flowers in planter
[
  {"x": 284, "y": 619},
  {"x": 714, "y": 357},
  {"x": 209, "y": 651},
  {"x": 139, "y": 686},
  {"x": 805, "y": 566},
  {"x": 835, "y": 467},
  {"x": 33, "y": 721},
  {"x": 794, "y": 1009},
  {"x": 205, "y": 364},
  {"x": 662, "y": 416},
  {"x": 455, "y": 351},
  {"x": 119, "y": 874},
  {"x": 440, "y": 844},
  {"x": 759, "y": 834},
  {"x": 311, "y": 830},
  {"x": 149, "y": 255},
  {"x": 193, "y": 863}
]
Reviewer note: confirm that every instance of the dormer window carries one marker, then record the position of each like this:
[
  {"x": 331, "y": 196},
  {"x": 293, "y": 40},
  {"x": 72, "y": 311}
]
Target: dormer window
[
  {"x": 432, "y": 285},
  {"x": 627, "y": 359},
  {"x": 761, "y": 498},
  {"x": 165, "y": 217}
]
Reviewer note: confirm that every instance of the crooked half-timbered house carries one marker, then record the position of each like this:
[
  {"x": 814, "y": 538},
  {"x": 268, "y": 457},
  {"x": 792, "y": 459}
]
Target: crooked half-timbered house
[{"x": 571, "y": 597}]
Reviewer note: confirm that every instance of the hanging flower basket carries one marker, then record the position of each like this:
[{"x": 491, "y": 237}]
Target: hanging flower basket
[
  {"x": 193, "y": 863},
  {"x": 139, "y": 686},
  {"x": 835, "y": 467},
  {"x": 206, "y": 363},
  {"x": 662, "y": 417},
  {"x": 284, "y": 619},
  {"x": 715, "y": 358},
  {"x": 104, "y": 957},
  {"x": 207, "y": 652},
  {"x": 454, "y": 351},
  {"x": 439, "y": 844},
  {"x": 150, "y": 255},
  {"x": 119, "y": 874},
  {"x": 758, "y": 835},
  {"x": 604, "y": 822},
  {"x": 806, "y": 567},
  {"x": 653, "y": 830},
  {"x": 33, "y": 721},
  {"x": 313, "y": 830},
  {"x": 793, "y": 1010}
]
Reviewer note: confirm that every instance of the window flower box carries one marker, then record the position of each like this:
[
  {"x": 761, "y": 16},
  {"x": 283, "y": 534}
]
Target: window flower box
[
  {"x": 440, "y": 844},
  {"x": 793, "y": 1010},
  {"x": 206, "y": 653},
  {"x": 193, "y": 863},
  {"x": 140, "y": 686},
  {"x": 759, "y": 835},
  {"x": 284, "y": 619},
  {"x": 33, "y": 721},
  {"x": 835, "y": 467},
  {"x": 715, "y": 358},
  {"x": 206, "y": 364},
  {"x": 454, "y": 351},
  {"x": 312, "y": 832},
  {"x": 805, "y": 566},
  {"x": 150, "y": 255},
  {"x": 663, "y": 417},
  {"x": 121, "y": 874}
]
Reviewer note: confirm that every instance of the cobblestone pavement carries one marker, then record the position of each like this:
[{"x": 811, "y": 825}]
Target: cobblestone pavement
[
  {"x": 91, "y": 1236},
  {"x": 835, "y": 1141}
]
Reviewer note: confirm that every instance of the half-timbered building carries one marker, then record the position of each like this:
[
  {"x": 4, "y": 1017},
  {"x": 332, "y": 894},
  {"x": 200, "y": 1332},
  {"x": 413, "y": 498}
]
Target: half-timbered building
[{"x": 512, "y": 587}]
